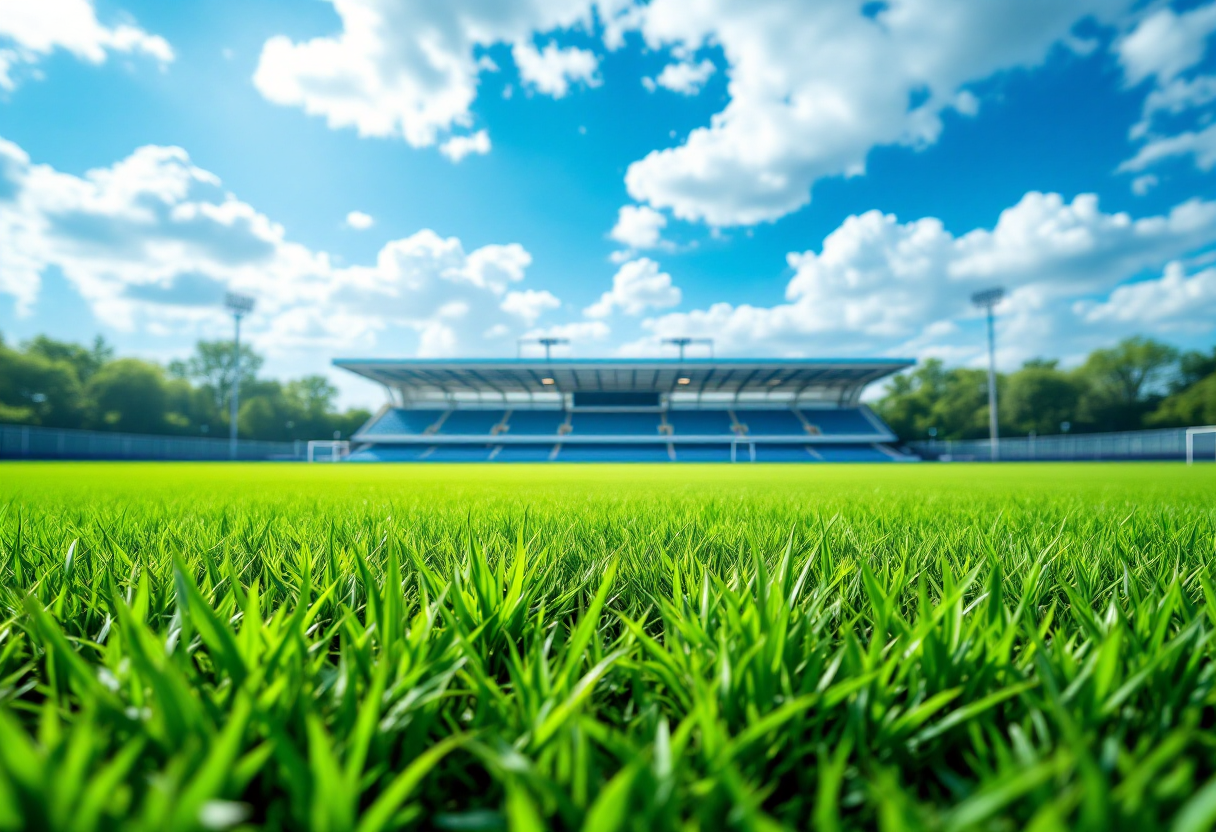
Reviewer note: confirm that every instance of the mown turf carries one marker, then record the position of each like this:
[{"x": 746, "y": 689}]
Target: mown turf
[{"x": 602, "y": 647}]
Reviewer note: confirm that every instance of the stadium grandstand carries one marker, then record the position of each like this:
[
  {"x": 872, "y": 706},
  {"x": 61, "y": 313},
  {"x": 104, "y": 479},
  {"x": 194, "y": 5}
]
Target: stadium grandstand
[{"x": 625, "y": 410}]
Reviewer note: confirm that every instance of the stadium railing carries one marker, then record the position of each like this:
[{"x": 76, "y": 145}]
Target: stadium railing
[
  {"x": 32, "y": 442},
  {"x": 1166, "y": 443}
]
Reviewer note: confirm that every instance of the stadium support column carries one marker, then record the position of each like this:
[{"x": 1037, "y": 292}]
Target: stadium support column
[
  {"x": 239, "y": 306},
  {"x": 988, "y": 299}
]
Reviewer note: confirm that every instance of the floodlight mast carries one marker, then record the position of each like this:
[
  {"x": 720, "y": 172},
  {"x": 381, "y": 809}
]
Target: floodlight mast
[
  {"x": 987, "y": 300},
  {"x": 684, "y": 342},
  {"x": 547, "y": 343},
  {"x": 239, "y": 306}
]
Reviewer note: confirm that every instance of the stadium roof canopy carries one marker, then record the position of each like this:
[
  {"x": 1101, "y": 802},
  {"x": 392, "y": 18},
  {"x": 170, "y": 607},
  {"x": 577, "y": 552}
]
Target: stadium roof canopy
[{"x": 835, "y": 381}]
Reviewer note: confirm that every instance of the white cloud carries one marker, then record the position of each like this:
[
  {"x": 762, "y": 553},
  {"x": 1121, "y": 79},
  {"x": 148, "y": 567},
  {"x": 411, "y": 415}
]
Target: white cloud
[
  {"x": 33, "y": 29},
  {"x": 638, "y": 226},
  {"x": 1173, "y": 300},
  {"x": 577, "y": 332},
  {"x": 359, "y": 220},
  {"x": 412, "y": 69},
  {"x": 637, "y": 286},
  {"x": 457, "y": 147},
  {"x": 683, "y": 77},
  {"x": 1179, "y": 95},
  {"x": 529, "y": 304},
  {"x": 814, "y": 87},
  {"x": 1201, "y": 145},
  {"x": 1162, "y": 47},
  {"x": 878, "y": 285},
  {"x": 1141, "y": 185},
  {"x": 155, "y": 241},
  {"x": 1166, "y": 43},
  {"x": 551, "y": 70}
]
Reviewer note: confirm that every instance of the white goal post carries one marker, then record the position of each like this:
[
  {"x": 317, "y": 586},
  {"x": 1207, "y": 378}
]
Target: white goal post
[
  {"x": 339, "y": 449},
  {"x": 1190, "y": 440}
]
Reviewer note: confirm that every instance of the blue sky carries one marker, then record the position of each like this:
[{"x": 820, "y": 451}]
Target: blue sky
[{"x": 411, "y": 178}]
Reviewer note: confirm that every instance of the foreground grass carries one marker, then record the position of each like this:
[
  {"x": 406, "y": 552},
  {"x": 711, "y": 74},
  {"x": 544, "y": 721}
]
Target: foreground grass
[{"x": 600, "y": 647}]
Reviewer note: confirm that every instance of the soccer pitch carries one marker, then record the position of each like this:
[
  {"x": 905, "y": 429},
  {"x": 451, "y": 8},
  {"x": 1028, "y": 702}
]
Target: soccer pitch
[{"x": 603, "y": 647}]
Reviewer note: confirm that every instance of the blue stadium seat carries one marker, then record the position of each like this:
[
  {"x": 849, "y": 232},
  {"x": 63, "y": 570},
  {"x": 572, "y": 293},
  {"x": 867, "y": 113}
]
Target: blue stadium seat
[
  {"x": 699, "y": 422},
  {"x": 851, "y": 453},
  {"x": 703, "y": 453},
  {"x": 402, "y": 420},
  {"x": 770, "y": 422},
  {"x": 524, "y": 453},
  {"x": 618, "y": 424},
  {"x": 779, "y": 453},
  {"x": 460, "y": 453},
  {"x": 534, "y": 422},
  {"x": 471, "y": 421},
  {"x": 389, "y": 453},
  {"x": 837, "y": 422},
  {"x": 614, "y": 453}
]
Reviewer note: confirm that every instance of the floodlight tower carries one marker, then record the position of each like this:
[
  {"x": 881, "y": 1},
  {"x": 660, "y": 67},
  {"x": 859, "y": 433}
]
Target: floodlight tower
[
  {"x": 239, "y": 306},
  {"x": 683, "y": 342},
  {"x": 547, "y": 343},
  {"x": 988, "y": 299}
]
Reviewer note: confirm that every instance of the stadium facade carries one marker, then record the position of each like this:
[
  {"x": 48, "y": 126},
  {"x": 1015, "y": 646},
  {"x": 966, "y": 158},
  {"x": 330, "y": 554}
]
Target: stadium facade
[{"x": 625, "y": 410}]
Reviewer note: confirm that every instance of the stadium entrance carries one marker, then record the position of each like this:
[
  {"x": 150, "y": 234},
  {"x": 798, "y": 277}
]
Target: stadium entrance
[{"x": 625, "y": 410}]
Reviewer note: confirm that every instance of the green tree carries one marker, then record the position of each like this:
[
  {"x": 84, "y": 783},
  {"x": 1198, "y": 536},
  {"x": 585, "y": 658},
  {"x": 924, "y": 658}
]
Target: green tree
[
  {"x": 1038, "y": 398},
  {"x": 953, "y": 402},
  {"x": 212, "y": 367},
  {"x": 1193, "y": 367},
  {"x": 130, "y": 395},
  {"x": 1123, "y": 384},
  {"x": 38, "y": 391},
  {"x": 84, "y": 360},
  {"x": 1193, "y": 405}
]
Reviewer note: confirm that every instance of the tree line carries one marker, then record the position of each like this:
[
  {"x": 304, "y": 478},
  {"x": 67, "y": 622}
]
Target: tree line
[
  {"x": 1140, "y": 383},
  {"x": 65, "y": 385}
]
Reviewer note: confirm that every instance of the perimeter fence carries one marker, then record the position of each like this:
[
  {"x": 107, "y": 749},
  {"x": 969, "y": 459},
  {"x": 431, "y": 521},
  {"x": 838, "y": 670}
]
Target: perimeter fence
[
  {"x": 30, "y": 442},
  {"x": 1168, "y": 443}
]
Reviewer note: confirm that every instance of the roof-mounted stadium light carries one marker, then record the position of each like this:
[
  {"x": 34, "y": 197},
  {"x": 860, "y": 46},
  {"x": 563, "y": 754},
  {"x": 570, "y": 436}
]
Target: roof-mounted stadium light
[
  {"x": 548, "y": 343},
  {"x": 239, "y": 306},
  {"x": 987, "y": 300},
  {"x": 547, "y": 381},
  {"x": 684, "y": 342},
  {"x": 683, "y": 381}
]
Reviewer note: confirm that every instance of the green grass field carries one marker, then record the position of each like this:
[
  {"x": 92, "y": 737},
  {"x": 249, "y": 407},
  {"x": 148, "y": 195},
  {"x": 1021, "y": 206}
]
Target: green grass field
[{"x": 607, "y": 647}]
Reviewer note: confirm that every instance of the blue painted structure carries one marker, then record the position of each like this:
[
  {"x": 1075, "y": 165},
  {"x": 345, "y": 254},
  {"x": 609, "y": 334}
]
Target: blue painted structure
[{"x": 625, "y": 410}]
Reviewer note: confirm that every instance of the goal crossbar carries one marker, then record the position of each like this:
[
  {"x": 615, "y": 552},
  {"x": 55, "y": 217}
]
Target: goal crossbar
[
  {"x": 1190, "y": 440},
  {"x": 339, "y": 449}
]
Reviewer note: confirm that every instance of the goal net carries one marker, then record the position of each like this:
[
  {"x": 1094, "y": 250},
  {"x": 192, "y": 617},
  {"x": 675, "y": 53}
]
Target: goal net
[
  {"x": 328, "y": 450},
  {"x": 1203, "y": 433}
]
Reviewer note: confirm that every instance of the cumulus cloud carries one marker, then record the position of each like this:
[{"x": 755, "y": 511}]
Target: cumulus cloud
[
  {"x": 1141, "y": 185},
  {"x": 1166, "y": 43},
  {"x": 33, "y": 29},
  {"x": 814, "y": 87},
  {"x": 529, "y": 304},
  {"x": 683, "y": 77},
  {"x": 359, "y": 220},
  {"x": 551, "y": 70},
  {"x": 457, "y": 147},
  {"x": 1201, "y": 145},
  {"x": 638, "y": 226},
  {"x": 1168, "y": 47},
  {"x": 153, "y": 240},
  {"x": 881, "y": 285},
  {"x": 637, "y": 286},
  {"x": 1174, "y": 300},
  {"x": 412, "y": 69},
  {"x": 577, "y": 332}
]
